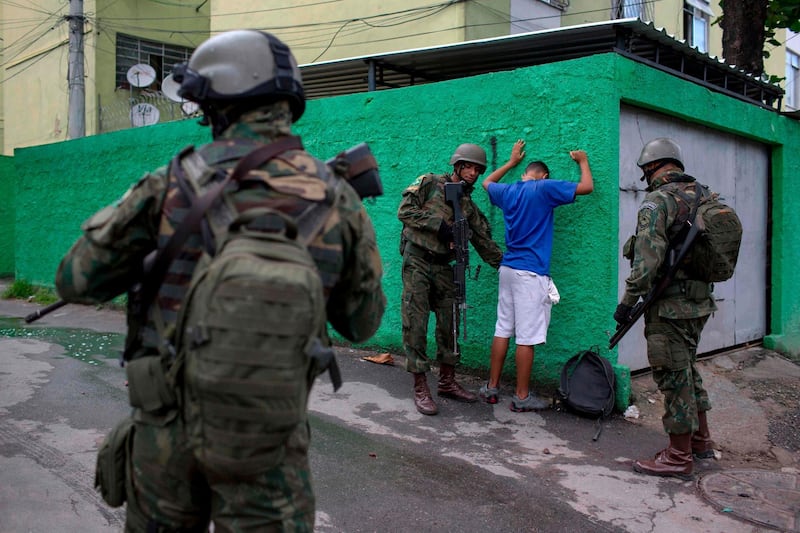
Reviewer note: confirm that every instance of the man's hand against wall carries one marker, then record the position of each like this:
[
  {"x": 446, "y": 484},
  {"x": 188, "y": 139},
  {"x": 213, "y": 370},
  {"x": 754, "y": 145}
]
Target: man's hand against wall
[{"x": 517, "y": 153}]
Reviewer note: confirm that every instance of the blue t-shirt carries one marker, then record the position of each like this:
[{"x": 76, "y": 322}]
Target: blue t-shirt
[{"x": 528, "y": 214}]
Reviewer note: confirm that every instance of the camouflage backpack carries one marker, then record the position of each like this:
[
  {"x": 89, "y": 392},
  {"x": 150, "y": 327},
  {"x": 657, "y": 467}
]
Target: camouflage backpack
[
  {"x": 715, "y": 250},
  {"x": 249, "y": 332}
]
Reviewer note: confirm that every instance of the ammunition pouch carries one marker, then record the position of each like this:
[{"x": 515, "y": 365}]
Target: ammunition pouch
[
  {"x": 149, "y": 388},
  {"x": 627, "y": 248},
  {"x": 113, "y": 463},
  {"x": 694, "y": 290}
]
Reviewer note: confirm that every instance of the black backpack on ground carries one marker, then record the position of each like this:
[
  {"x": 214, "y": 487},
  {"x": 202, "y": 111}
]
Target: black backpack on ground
[{"x": 588, "y": 385}]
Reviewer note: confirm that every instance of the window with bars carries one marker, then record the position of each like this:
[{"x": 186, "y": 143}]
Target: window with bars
[{"x": 161, "y": 56}]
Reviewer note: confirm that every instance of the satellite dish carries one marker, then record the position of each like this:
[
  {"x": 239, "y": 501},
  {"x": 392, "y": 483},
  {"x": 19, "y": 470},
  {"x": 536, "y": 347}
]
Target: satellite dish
[
  {"x": 170, "y": 89},
  {"x": 144, "y": 115},
  {"x": 141, "y": 75},
  {"x": 190, "y": 108}
]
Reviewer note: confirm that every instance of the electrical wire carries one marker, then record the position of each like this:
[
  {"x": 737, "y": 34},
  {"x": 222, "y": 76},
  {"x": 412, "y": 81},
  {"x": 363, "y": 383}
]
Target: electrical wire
[
  {"x": 26, "y": 67},
  {"x": 308, "y": 35},
  {"x": 27, "y": 41}
]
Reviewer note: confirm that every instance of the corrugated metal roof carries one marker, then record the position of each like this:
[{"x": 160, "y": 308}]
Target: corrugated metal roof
[{"x": 632, "y": 38}]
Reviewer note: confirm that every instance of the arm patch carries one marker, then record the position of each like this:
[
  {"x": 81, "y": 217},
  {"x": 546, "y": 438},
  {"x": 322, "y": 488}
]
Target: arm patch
[{"x": 645, "y": 216}]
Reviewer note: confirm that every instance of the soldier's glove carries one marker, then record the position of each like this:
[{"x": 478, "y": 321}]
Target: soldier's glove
[
  {"x": 445, "y": 233},
  {"x": 623, "y": 314}
]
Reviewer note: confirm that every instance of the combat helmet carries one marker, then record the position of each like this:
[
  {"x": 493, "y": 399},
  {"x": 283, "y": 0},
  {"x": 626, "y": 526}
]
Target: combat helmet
[
  {"x": 658, "y": 149},
  {"x": 471, "y": 153},
  {"x": 242, "y": 65}
]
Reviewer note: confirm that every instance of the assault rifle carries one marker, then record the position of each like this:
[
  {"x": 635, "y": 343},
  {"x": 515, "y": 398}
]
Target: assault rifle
[
  {"x": 674, "y": 258},
  {"x": 356, "y": 164},
  {"x": 453, "y": 192},
  {"x": 360, "y": 170}
]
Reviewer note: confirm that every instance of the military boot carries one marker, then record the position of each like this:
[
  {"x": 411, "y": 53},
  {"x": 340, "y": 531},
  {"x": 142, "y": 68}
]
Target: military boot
[
  {"x": 702, "y": 445},
  {"x": 673, "y": 461},
  {"x": 423, "y": 400},
  {"x": 449, "y": 387}
]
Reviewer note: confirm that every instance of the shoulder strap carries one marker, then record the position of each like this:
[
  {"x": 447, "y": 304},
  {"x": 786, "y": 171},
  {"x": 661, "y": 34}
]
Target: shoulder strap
[
  {"x": 566, "y": 373},
  {"x": 701, "y": 195},
  {"x": 681, "y": 243},
  {"x": 165, "y": 255}
]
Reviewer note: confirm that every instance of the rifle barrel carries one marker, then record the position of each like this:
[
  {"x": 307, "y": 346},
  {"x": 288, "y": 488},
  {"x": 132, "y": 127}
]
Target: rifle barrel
[{"x": 36, "y": 315}]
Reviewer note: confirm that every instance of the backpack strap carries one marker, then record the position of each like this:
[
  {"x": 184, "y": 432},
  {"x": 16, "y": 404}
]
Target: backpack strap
[
  {"x": 566, "y": 373},
  {"x": 200, "y": 205},
  {"x": 681, "y": 244}
]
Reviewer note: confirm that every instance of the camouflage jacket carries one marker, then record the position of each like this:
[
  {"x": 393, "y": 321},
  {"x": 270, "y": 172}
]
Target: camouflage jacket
[
  {"x": 658, "y": 222},
  {"x": 107, "y": 260},
  {"x": 423, "y": 208}
]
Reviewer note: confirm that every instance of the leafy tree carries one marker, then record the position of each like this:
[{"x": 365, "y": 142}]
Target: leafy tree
[{"x": 748, "y": 24}]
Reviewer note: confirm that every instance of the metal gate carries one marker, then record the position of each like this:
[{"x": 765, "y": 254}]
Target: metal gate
[{"x": 738, "y": 169}]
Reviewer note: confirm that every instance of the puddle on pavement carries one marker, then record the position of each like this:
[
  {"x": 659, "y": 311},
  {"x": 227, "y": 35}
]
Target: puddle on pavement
[{"x": 91, "y": 347}]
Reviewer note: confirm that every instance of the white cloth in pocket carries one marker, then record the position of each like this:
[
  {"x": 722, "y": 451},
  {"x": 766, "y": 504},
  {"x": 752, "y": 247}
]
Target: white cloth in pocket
[{"x": 552, "y": 291}]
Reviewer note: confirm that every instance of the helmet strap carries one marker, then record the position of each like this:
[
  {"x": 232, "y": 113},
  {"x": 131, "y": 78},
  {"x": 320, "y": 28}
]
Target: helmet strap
[
  {"x": 220, "y": 120},
  {"x": 457, "y": 168},
  {"x": 647, "y": 174}
]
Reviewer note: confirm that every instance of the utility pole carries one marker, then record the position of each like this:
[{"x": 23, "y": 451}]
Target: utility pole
[{"x": 77, "y": 87}]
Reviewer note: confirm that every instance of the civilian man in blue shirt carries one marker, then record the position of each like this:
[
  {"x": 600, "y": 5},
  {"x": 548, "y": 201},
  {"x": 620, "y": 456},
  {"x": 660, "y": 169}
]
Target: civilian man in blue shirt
[{"x": 526, "y": 292}]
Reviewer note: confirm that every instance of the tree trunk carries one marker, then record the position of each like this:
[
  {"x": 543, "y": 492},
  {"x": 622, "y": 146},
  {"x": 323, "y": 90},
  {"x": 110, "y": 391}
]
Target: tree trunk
[{"x": 743, "y": 33}]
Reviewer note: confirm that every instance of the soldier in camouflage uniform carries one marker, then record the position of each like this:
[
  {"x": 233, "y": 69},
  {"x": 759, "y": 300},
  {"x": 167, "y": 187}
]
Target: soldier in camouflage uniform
[
  {"x": 428, "y": 275},
  {"x": 248, "y": 85},
  {"x": 674, "y": 322}
]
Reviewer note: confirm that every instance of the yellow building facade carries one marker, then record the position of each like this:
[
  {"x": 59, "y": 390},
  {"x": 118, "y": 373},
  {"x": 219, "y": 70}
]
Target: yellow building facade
[
  {"x": 122, "y": 34},
  {"x": 116, "y": 36}
]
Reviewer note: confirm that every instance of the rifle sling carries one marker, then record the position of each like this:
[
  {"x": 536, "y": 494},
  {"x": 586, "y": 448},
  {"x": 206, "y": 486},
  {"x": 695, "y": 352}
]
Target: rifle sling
[
  {"x": 254, "y": 159},
  {"x": 664, "y": 282}
]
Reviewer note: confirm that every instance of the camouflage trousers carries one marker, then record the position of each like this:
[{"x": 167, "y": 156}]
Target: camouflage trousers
[
  {"x": 672, "y": 354},
  {"x": 427, "y": 287},
  {"x": 168, "y": 490}
]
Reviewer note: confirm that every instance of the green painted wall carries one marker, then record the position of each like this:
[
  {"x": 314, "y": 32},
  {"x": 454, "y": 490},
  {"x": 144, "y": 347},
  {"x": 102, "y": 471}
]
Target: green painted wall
[
  {"x": 414, "y": 130},
  {"x": 7, "y": 178}
]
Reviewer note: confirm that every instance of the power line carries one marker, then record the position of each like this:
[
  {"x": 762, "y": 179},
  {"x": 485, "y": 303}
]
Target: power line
[
  {"x": 314, "y": 33},
  {"x": 25, "y": 42}
]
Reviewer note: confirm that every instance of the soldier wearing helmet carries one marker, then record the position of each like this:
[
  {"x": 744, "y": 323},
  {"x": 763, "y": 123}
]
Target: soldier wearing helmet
[
  {"x": 427, "y": 249},
  {"x": 249, "y": 87},
  {"x": 675, "y": 320}
]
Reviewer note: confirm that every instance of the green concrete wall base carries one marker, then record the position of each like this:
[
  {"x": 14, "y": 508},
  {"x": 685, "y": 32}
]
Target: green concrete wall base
[
  {"x": 7, "y": 210},
  {"x": 788, "y": 345},
  {"x": 623, "y": 392}
]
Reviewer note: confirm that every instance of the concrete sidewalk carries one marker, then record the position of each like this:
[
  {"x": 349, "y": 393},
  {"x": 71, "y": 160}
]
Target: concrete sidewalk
[{"x": 381, "y": 466}]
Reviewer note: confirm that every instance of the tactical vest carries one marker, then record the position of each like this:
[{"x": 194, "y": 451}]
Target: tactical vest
[{"x": 158, "y": 328}]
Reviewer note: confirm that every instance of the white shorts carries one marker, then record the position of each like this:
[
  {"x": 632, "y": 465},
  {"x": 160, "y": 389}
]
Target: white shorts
[{"x": 524, "y": 301}]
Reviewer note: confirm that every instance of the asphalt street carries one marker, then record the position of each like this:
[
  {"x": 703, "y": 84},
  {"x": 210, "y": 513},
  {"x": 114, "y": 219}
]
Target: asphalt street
[{"x": 378, "y": 465}]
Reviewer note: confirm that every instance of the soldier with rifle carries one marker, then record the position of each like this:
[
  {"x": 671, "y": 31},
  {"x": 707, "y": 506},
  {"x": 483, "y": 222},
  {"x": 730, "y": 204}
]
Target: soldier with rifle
[
  {"x": 250, "y": 90},
  {"x": 675, "y": 308},
  {"x": 439, "y": 217}
]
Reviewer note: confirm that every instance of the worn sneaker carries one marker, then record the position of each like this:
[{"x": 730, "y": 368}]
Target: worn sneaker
[
  {"x": 489, "y": 394},
  {"x": 530, "y": 403}
]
